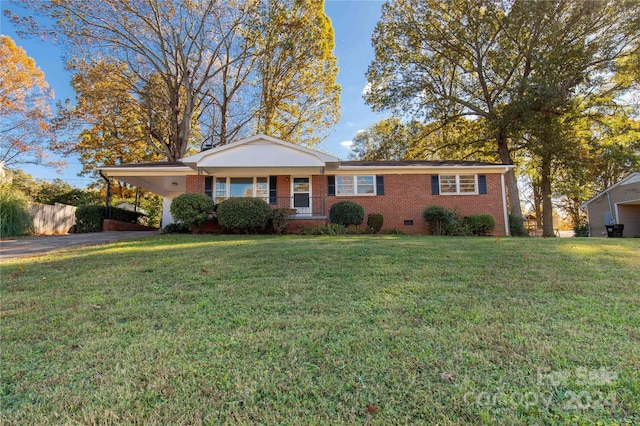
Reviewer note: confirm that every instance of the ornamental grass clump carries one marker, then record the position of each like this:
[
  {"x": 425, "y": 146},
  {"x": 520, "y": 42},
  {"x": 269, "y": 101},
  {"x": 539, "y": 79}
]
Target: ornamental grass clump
[{"x": 15, "y": 213}]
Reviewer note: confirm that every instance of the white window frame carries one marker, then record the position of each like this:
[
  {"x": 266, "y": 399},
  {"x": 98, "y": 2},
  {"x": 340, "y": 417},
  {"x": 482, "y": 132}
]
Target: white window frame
[
  {"x": 458, "y": 192},
  {"x": 228, "y": 187},
  {"x": 355, "y": 186}
]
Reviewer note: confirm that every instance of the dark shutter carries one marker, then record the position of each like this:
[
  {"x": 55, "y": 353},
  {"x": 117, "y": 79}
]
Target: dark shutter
[
  {"x": 435, "y": 185},
  {"x": 380, "y": 185},
  {"x": 208, "y": 186},
  {"x": 273, "y": 192},
  {"x": 482, "y": 184},
  {"x": 331, "y": 185}
]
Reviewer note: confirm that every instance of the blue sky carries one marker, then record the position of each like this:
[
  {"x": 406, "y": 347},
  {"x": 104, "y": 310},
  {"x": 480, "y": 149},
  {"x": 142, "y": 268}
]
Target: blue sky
[{"x": 353, "y": 22}]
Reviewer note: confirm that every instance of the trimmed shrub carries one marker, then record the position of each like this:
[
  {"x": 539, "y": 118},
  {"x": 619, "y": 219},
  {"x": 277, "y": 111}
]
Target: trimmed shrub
[
  {"x": 581, "y": 230},
  {"x": 89, "y": 218},
  {"x": 244, "y": 213},
  {"x": 374, "y": 222},
  {"x": 516, "y": 227},
  {"x": 280, "y": 219},
  {"x": 438, "y": 219},
  {"x": 191, "y": 209},
  {"x": 15, "y": 213},
  {"x": 481, "y": 224},
  {"x": 346, "y": 213}
]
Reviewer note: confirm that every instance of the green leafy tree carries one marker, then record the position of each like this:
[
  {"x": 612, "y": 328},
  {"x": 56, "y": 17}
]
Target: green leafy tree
[
  {"x": 391, "y": 139},
  {"x": 488, "y": 60}
]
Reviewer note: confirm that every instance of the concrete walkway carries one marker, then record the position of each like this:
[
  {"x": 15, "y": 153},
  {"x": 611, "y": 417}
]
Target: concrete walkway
[{"x": 30, "y": 246}]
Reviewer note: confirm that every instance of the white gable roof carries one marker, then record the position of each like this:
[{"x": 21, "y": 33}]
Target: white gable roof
[{"x": 260, "y": 151}]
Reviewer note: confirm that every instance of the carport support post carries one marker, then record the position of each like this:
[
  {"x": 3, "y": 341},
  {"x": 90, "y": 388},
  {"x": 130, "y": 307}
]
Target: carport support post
[{"x": 107, "y": 209}]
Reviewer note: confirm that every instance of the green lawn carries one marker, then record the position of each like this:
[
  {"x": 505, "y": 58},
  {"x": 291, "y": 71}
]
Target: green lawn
[{"x": 324, "y": 330}]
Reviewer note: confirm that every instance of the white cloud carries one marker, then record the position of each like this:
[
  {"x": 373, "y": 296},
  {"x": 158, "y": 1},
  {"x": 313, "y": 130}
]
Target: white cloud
[
  {"x": 367, "y": 89},
  {"x": 346, "y": 144},
  {"x": 360, "y": 131}
]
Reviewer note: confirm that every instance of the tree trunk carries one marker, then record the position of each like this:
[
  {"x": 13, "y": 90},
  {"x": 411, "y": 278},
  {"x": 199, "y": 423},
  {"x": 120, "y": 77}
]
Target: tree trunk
[
  {"x": 537, "y": 202},
  {"x": 545, "y": 190},
  {"x": 513, "y": 195}
]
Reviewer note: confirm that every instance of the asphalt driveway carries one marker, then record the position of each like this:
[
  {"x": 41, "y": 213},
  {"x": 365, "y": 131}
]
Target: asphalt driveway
[{"x": 31, "y": 246}]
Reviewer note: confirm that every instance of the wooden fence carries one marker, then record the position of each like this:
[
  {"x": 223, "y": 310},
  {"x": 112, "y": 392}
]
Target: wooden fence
[{"x": 56, "y": 219}]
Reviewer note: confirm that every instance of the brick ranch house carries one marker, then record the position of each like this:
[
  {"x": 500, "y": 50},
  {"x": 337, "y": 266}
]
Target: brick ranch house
[{"x": 310, "y": 181}]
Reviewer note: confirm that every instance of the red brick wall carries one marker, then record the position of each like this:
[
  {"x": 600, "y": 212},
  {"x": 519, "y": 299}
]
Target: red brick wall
[
  {"x": 405, "y": 198},
  {"x": 195, "y": 183}
]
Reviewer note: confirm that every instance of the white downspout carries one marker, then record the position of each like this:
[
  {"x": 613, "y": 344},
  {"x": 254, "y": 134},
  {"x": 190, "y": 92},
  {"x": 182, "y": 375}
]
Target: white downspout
[{"x": 504, "y": 206}]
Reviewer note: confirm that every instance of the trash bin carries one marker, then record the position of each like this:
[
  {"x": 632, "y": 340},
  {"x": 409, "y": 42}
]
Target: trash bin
[{"x": 615, "y": 231}]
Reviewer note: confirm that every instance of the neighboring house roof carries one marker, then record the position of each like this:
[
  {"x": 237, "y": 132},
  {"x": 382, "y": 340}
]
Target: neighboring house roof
[{"x": 630, "y": 178}]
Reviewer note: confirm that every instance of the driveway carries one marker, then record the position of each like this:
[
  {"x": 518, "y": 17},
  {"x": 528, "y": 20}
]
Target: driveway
[{"x": 30, "y": 246}]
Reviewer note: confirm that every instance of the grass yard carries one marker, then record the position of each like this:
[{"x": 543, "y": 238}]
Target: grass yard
[{"x": 324, "y": 330}]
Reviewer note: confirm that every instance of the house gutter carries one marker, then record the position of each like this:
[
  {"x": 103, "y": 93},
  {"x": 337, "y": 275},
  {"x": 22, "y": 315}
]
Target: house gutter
[
  {"x": 107, "y": 208},
  {"x": 504, "y": 206}
]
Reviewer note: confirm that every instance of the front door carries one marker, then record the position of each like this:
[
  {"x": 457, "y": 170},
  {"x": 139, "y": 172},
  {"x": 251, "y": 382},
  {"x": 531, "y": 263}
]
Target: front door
[{"x": 301, "y": 190}]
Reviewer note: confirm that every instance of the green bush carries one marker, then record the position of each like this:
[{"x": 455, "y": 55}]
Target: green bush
[
  {"x": 191, "y": 209},
  {"x": 516, "y": 227},
  {"x": 481, "y": 224},
  {"x": 15, "y": 213},
  {"x": 330, "y": 229},
  {"x": 244, "y": 213},
  {"x": 280, "y": 219},
  {"x": 581, "y": 230},
  {"x": 458, "y": 228},
  {"x": 346, "y": 213},
  {"x": 438, "y": 219},
  {"x": 374, "y": 222},
  {"x": 89, "y": 218},
  {"x": 124, "y": 215}
]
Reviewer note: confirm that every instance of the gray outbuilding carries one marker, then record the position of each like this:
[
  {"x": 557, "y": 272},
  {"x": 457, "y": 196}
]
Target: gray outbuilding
[{"x": 615, "y": 212}]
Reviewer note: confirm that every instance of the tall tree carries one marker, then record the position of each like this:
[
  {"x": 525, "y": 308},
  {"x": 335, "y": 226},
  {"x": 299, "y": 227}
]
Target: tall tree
[
  {"x": 481, "y": 58},
  {"x": 173, "y": 47},
  {"x": 299, "y": 96},
  {"x": 25, "y": 131},
  {"x": 391, "y": 139},
  {"x": 107, "y": 124},
  {"x": 195, "y": 63}
]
